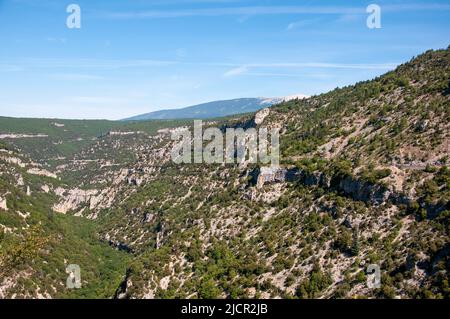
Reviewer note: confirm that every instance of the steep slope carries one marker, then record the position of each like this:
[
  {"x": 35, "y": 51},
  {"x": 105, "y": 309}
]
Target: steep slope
[
  {"x": 368, "y": 184},
  {"x": 37, "y": 244},
  {"x": 364, "y": 179}
]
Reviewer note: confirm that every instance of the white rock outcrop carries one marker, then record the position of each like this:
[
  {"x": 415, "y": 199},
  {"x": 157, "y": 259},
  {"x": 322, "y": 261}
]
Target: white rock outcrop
[
  {"x": 261, "y": 115},
  {"x": 45, "y": 188},
  {"x": 73, "y": 199},
  {"x": 117, "y": 133},
  {"x": 41, "y": 172},
  {"x": 14, "y": 160},
  {"x": 3, "y": 136},
  {"x": 269, "y": 175},
  {"x": 3, "y": 204}
]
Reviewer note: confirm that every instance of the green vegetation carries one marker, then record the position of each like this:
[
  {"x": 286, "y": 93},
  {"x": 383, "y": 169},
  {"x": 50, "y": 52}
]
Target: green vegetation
[{"x": 372, "y": 187}]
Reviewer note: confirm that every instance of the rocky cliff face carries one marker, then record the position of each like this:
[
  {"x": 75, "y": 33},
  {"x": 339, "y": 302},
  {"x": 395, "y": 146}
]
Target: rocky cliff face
[
  {"x": 72, "y": 199},
  {"x": 266, "y": 175},
  {"x": 354, "y": 188},
  {"x": 261, "y": 115}
]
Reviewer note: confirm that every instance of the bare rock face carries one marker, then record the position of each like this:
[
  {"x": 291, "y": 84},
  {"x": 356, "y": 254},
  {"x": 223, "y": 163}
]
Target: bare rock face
[
  {"x": 41, "y": 172},
  {"x": 375, "y": 194},
  {"x": 312, "y": 178},
  {"x": 148, "y": 217},
  {"x": 160, "y": 236},
  {"x": 20, "y": 181},
  {"x": 261, "y": 115},
  {"x": 3, "y": 204},
  {"x": 121, "y": 292},
  {"x": 73, "y": 200},
  {"x": 422, "y": 126},
  {"x": 348, "y": 222},
  {"x": 270, "y": 175},
  {"x": 14, "y": 160},
  {"x": 134, "y": 180},
  {"x": 45, "y": 189}
]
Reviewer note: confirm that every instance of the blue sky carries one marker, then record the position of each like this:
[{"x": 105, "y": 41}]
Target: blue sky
[{"x": 132, "y": 57}]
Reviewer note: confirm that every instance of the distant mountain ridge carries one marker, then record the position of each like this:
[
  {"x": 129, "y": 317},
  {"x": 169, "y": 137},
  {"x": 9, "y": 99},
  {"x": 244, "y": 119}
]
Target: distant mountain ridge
[{"x": 214, "y": 109}]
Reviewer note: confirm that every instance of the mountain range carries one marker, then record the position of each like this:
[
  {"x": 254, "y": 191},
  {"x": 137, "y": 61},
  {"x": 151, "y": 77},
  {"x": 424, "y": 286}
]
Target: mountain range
[{"x": 215, "y": 109}]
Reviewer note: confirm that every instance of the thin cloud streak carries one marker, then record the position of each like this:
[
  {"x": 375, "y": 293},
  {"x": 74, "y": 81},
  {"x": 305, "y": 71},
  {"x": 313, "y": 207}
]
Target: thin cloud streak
[
  {"x": 302, "y": 23},
  {"x": 364, "y": 66},
  {"x": 266, "y": 10},
  {"x": 235, "y": 69},
  {"x": 76, "y": 77},
  {"x": 288, "y": 75},
  {"x": 244, "y": 69},
  {"x": 250, "y": 11}
]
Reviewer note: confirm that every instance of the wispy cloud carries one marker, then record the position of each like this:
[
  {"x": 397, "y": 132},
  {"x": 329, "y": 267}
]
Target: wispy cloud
[
  {"x": 236, "y": 71},
  {"x": 75, "y": 77},
  {"x": 249, "y": 11},
  {"x": 429, "y": 6},
  {"x": 245, "y": 69},
  {"x": 363, "y": 66},
  {"x": 348, "y": 18},
  {"x": 290, "y": 75},
  {"x": 235, "y": 68},
  {"x": 301, "y": 23},
  {"x": 266, "y": 10}
]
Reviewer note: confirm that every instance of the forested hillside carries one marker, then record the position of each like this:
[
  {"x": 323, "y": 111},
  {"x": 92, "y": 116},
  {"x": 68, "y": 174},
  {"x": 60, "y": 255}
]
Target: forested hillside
[{"x": 365, "y": 181}]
